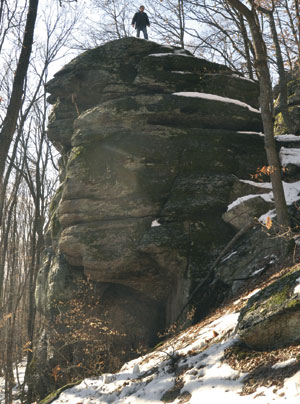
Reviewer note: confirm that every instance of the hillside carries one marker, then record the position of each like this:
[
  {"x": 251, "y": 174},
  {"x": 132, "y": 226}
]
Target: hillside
[{"x": 203, "y": 363}]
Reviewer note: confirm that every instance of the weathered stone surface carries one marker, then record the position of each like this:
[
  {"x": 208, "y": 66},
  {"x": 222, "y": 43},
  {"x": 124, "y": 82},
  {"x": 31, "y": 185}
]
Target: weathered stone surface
[
  {"x": 139, "y": 157},
  {"x": 242, "y": 188},
  {"x": 271, "y": 318},
  {"x": 137, "y": 219},
  {"x": 180, "y": 110},
  {"x": 180, "y": 71},
  {"x": 246, "y": 212},
  {"x": 282, "y": 127},
  {"x": 130, "y": 68},
  {"x": 249, "y": 258}
]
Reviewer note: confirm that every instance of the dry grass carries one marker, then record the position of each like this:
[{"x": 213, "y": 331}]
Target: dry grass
[{"x": 258, "y": 364}]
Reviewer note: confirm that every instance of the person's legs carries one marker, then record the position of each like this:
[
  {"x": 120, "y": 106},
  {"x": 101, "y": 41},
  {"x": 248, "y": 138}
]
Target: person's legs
[
  {"x": 145, "y": 32},
  {"x": 138, "y": 31}
]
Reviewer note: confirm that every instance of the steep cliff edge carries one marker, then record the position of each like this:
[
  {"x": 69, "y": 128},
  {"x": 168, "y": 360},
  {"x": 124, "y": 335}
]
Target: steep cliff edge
[{"x": 152, "y": 141}]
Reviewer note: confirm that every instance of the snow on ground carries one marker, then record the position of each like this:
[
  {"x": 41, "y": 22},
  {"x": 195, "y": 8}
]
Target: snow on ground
[
  {"x": 19, "y": 378},
  {"x": 188, "y": 369},
  {"x": 215, "y": 98},
  {"x": 258, "y": 271},
  {"x": 289, "y": 156},
  {"x": 288, "y": 138}
]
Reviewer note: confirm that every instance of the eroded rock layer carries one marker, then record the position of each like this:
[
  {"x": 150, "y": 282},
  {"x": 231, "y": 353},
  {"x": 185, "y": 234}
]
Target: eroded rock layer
[{"x": 152, "y": 140}]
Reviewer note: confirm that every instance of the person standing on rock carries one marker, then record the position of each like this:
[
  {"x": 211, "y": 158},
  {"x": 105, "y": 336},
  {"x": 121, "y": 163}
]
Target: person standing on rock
[{"x": 141, "y": 21}]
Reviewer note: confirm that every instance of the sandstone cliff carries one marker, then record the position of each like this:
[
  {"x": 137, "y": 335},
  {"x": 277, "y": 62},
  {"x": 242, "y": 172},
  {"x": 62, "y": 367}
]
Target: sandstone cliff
[{"x": 153, "y": 141}]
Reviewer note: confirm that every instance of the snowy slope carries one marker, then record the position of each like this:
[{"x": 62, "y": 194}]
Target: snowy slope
[
  {"x": 19, "y": 374},
  {"x": 188, "y": 369}
]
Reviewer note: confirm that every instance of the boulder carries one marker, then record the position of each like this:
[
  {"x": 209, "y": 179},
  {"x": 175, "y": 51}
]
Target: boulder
[
  {"x": 251, "y": 256},
  {"x": 271, "y": 318},
  {"x": 241, "y": 188},
  {"x": 246, "y": 211}
]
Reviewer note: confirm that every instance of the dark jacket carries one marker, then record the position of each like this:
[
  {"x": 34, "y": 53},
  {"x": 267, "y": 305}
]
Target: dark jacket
[{"x": 140, "y": 20}]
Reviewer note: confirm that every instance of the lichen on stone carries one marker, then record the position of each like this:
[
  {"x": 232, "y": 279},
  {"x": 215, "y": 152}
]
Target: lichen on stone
[{"x": 271, "y": 317}]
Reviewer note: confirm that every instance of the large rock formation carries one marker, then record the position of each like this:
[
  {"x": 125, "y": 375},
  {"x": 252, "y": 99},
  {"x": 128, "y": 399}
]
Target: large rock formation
[
  {"x": 271, "y": 317},
  {"x": 152, "y": 141}
]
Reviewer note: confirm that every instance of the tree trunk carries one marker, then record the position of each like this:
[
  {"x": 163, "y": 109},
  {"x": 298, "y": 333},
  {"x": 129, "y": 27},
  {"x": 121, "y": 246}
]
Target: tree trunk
[
  {"x": 283, "y": 92},
  {"x": 246, "y": 45},
  {"x": 181, "y": 18},
  {"x": 261, "y": 64},
  {"x": 10, "y": 120}
]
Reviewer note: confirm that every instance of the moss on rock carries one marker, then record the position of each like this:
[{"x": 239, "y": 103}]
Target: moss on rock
[
  {"x": 55, "y": 394},
  {"x": 271, "y": 317}
]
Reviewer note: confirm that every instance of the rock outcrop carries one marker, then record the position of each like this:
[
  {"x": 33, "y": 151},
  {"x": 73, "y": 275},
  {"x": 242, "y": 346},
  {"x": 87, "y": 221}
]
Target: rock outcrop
[
  {"x": 152, "y": 141},
  {"x": 251, "y": 257},
  {"x": 271, "y": 317},
  {"x": 290, "y": 124}
]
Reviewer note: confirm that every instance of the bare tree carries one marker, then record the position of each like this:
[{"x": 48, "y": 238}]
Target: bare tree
[
  {"x": 29, "y": 181},
  {"x": 106, "y": 20},
  {"x": 168, "y": 20},
  {"x": 283, "y": 92},
  {"x": 261, "y": 64},
  {"x": 10, "y": 121},
  {"x": 217, "y": 32}
]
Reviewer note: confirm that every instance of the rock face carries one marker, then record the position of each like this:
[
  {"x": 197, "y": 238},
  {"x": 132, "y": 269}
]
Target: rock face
[
  {"x": 242, "y": 214},
  {"x": 250, "y": 257},
  {"x": 152, "y": 141},
  {"x": 293, "y": 92},
  {"x": 271, "y": 318}
]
